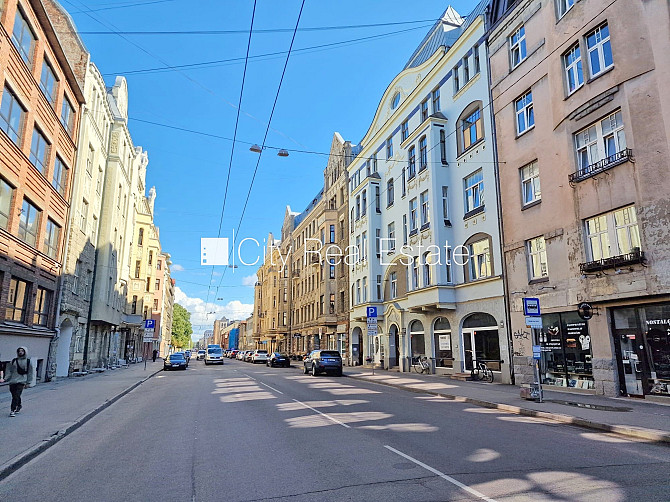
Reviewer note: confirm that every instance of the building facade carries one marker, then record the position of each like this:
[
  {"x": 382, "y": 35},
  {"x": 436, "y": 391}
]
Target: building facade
[
  {"x": 424, "y": 238},
  {"x": 39, "y": 117},
  {"x": 584, "y": 194},
  {"x": 271, "y": 299}
]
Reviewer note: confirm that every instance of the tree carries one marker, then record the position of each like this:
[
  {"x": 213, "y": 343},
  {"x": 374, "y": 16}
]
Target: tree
[{"x": 181, "y": 326}]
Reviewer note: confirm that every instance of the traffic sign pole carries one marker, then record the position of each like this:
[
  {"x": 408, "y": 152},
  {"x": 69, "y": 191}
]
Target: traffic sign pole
[{"x": 372, "y": 330}]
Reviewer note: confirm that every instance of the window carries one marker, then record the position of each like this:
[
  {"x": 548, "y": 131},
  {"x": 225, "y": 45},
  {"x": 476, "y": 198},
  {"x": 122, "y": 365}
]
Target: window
[
  {"x": 48, "y": 82},
  {"x": 352, "y": 220},
  {"x": 425, "y": 215},
  {"x": 394, "y": 285},
  {"x": 358, "y": 207},
  {"x": 389, "y": 148},
  {"x": 445, "y": 204},
  {"x": 67, "y": 116},
  {"x": 332, "y": 234},
  {"x": 98, "y": 182},
  {"x": 59, "y": 181},
  {"x": 395, "y": 101},
  {"x": 75, "y": 278},
  {"x": 415, "y": 272},
  {"x": 404, "y": 182},
  {"x": 151, "y": 259},
  {"x": 564, "y": 6},
  {"x": 378, "y": 236},
  {"x": 39, "y": 150},
  {"x": 89, "y": 161},
  {"x": 517, "y": 46},
  {"x": 474, "y": 191},
  {"x": 574, "y": 76},
  {"x": 600, "y": 50},
  {"x": 423, "y": 153},
  {"x": 374, "y": 162},
  {"x": 83, "y": 221},
  {"x": 29, "y": 223},
  {"x": 377, "y": 200},
  {"x": 364, "y": 244},
  {"x": 137, "y": 269},
  {"x": 23, "y": 38},
  {"x": 51, "y": 238},
  {"x": 358, "y": 291},
  {"x": 480, "y": 260},
  {"x": 456, "y": 81},
  {"x": 612, "y": 234},
  {"x": 140, "y": 238},
  {"x": 379, "y": 288},
  {"x": 390, "y": 193},
  {"x": 530, "y": 184},
  {"x": 472, "y": 129},
  {"x": 424, "y": 110},
  {"x": 404, "y": 131},
  {"x": 159, "y": 264},
  {"x": 148, "y": 284},
  {"x": 537, "y": 258},
  {"x": 5, "y": 203},
  {"x": 443, "y": 146},
  {"x": 42, "y": 304},
  {"x": 17, "y": 301},
  {"x": 600, "y": 141},
  {"x": 411, "y": 162},
  {"x": 155, "y": 305},
  {"x": 331, "y": 266},
  {"x": 436, "y": 100},
  {"x": 412, "y": 216},
  {"x": 364, "y": 203},
  {"x": 475, "y": 53},
  {"x": 448, "y": 266},
  {"x": 466, "y": 70},
  {"x": 391, "y": 235},
  {"x": 525, "y": 118},
  {"x": 426, "y": 270},
  {"x": 11, "y": 115},
  {"x": 133, "y": 306},
  {"x": 404, "y": 229},
  {"x": 365, "y": 289}
]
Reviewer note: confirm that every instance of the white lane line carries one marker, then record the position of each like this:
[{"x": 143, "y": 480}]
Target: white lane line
[
  {"x": 270, "y": 387},
  {"x": 323, "y": 414},
  {"x": 453, "y": 481}
]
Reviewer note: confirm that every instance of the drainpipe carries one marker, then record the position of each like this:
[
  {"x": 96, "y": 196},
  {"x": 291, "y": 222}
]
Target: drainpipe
[{"x": 506, "y": 306}]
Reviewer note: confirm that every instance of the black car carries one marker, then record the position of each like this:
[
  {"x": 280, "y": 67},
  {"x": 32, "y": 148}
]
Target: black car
[
  {"x": 278, "y": 359},
  {"x": 175, "y": 361},
  {"x": 323, "y": 361}
]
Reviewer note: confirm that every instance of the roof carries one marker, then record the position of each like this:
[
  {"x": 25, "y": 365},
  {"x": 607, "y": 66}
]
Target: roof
[
  {"x": 308, "y": 209},
  {"x": 444, "y": 32}
]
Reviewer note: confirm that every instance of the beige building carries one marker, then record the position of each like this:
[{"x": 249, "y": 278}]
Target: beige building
[
  {"x": 271, "y": 299},
  {"x": 584, "y": 188},
  {"x": 163, "y": 304}
]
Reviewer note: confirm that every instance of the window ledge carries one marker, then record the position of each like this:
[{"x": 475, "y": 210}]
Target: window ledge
[
  {"x": 389, "y": 205},
  {"x": 470, "y": 148},
  {"x": 528, "y": 129},
  {"x": 474, "y": 212},
  {"x": 538, "y": 280},
  {"x": 595, "y": 77},
  {"x": 413, "y": 232},
  {"x": 425, "y": 226},
  {"x": 531, "y": 204}
]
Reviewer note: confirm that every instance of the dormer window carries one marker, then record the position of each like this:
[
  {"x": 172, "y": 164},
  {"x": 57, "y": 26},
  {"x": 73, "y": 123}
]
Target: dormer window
[{"x": 395, "y": 101}]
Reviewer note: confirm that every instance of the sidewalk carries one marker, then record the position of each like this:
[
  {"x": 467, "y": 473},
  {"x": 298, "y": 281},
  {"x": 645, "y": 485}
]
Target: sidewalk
[
  {"x": 625, "y": 416},
  {"x": 54, "y": 409}
]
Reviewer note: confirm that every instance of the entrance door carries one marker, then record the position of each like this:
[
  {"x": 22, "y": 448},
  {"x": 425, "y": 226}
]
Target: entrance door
[
  {"x": 481, "y": 345},
  {"x": 633, "y": 362}
]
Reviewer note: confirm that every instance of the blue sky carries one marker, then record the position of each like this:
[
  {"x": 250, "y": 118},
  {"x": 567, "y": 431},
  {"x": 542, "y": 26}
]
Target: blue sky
[{"x": 325, "y": 90}]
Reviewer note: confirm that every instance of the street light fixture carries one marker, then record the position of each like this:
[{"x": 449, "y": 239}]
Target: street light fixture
[
  {"x": 282, "y": 153},
  {"x": 258, "y": 149},
  {"x": 255, "y": 148}
]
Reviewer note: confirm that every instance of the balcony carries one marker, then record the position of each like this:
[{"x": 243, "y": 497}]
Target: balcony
[
  {"x": 601, "y": 166},
  {"x": 632, "y": 258}
]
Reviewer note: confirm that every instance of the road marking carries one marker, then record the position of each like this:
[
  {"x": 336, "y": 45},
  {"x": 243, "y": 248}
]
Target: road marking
[
  {"x": 270, "y": 387},
  {"x": 323, "y": 414},
  {"x": 453, "y": 481}
]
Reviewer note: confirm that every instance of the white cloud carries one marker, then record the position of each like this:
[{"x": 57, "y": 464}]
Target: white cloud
[
  {"x": 234, "y": 309},
  {"x": 176, "y": 267},
  {"x": 249, "y": 280}
]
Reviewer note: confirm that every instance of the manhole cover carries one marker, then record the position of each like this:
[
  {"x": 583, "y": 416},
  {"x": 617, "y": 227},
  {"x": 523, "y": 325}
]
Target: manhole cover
[
  {"x": 589, "y": 406},
  {"x": 404, "y": 465}
]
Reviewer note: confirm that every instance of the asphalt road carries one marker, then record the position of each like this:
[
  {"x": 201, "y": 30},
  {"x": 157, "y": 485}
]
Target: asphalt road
[{"x": 243, "y": 433}]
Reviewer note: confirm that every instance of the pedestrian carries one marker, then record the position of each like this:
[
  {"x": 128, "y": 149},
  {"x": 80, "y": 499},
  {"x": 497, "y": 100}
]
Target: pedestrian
[
  {"x": 155, "y": 355},
  {"x": 19, "y": 375}
]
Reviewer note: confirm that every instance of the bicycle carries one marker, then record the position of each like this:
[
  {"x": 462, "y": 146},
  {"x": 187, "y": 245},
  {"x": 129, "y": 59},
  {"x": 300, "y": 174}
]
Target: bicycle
[
  {"x": 421, "y": 365},
  {"x": 482, "y": 372}
]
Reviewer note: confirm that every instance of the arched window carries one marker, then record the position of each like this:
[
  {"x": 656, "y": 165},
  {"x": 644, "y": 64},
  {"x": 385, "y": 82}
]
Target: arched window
[
  {"x": 395, "y": 101},
  {"x": 470, "y": 127},
  {"x": 417, "y": 339},
  {"x": 442, "y": 335}
]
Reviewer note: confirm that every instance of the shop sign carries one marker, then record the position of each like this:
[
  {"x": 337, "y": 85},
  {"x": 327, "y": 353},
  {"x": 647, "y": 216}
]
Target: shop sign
[{"x": 444, "y": 342}]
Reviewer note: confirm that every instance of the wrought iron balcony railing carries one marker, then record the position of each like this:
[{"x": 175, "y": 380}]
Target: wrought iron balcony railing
[
  {"x": 635, "y": 256},
  {"x": 601, "y": 166}
]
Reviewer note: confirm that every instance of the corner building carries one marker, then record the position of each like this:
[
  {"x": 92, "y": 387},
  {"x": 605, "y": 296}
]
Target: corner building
[
  {"x": 585, "y": 188},
  {"x": 421, "y": 188}
]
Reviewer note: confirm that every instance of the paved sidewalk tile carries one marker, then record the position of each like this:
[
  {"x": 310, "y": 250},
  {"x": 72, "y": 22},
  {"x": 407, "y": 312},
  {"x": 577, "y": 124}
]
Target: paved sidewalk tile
[
  {"x": 53, "y": 406},
  {"x": 625, "y": 412}
]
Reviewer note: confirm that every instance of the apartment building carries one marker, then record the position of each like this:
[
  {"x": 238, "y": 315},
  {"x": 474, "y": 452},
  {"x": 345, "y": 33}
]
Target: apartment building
[
  {"x": 39, "y": 118},
  {"x": 424, "y": 219},
  {"x": 163, "y": 303},
  {"x": 584, "y": 192},
  {"x": 271, "y": 299}
]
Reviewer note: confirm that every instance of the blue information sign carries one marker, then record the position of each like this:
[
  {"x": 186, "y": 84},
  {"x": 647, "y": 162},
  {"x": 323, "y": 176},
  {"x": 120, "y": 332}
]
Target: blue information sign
[
  {"x": 149, "y": 324},
  {"x": 531, "y": 307},
  {"x": 372, "y": 311},
  {"x": 537, "y": 352}
]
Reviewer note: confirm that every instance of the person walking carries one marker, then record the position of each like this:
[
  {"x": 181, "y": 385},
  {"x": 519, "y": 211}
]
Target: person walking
[
  {"x": 155, "y": 355},
  {"x": 19, "y": 375}
]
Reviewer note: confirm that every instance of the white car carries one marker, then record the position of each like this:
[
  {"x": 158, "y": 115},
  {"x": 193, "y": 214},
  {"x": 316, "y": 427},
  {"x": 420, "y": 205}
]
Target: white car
[
  {"x": 259, "y": 356},
  {"x": 214, "y": 355}
]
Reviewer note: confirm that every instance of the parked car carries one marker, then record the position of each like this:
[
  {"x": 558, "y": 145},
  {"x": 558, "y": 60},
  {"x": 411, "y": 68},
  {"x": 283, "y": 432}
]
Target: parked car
[
  {"x": 259, "y": 356},
  {"x": 200, "y": 355},
  {"x": 183, "y": 354},
  {"x": 323, "y": 361},
  {"x": 240, "y": 355},
  {"x": 247, "y": 356},
  {"x": 233, "y": 354},
  {"x": 278, "y": 359},
  {"x": 214, "y": 355},
  {"x": 175, "y": 361}
]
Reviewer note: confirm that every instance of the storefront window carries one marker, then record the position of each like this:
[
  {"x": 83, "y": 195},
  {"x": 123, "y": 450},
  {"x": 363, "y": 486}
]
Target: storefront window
[
  {"x": 480, "y": 341},
  {"x": 566, "y": 356},
  {"x": 418, "y": 343},
  {"x": 442, "y": 334}
]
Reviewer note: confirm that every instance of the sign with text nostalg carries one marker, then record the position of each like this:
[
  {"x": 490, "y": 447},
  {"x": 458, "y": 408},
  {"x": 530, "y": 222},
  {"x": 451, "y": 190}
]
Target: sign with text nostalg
[{"x": 372, "y": 320}]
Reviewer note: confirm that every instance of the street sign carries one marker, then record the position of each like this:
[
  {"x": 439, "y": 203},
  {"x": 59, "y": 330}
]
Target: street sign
[
  {"x": 148, "y": 335},
  {"x": 531, "y": 307},
  {"x": 537, "y": 352},
  {"x": 372, "y": 312},
  {"x": 534, "y": 322},
  {"x": 149, "y": 324}
]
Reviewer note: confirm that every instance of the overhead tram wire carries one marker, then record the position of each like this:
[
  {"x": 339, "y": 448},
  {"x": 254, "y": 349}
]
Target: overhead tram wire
[
  {"x": 267, "y": 129},
  {"x": 237, "y": 121}
]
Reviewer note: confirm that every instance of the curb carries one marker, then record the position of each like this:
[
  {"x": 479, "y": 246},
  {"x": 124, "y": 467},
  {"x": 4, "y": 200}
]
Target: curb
[
  {"x": 622, "y": 430},
  {"x": 23, "y": 458}
]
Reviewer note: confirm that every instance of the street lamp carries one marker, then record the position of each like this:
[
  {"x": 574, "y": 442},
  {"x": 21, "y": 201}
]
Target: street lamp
[{"x": 258, "y": 149}]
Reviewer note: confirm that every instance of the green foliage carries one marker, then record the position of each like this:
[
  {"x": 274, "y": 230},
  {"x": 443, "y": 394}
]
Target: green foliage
[{"x": 181, "y": 327}]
